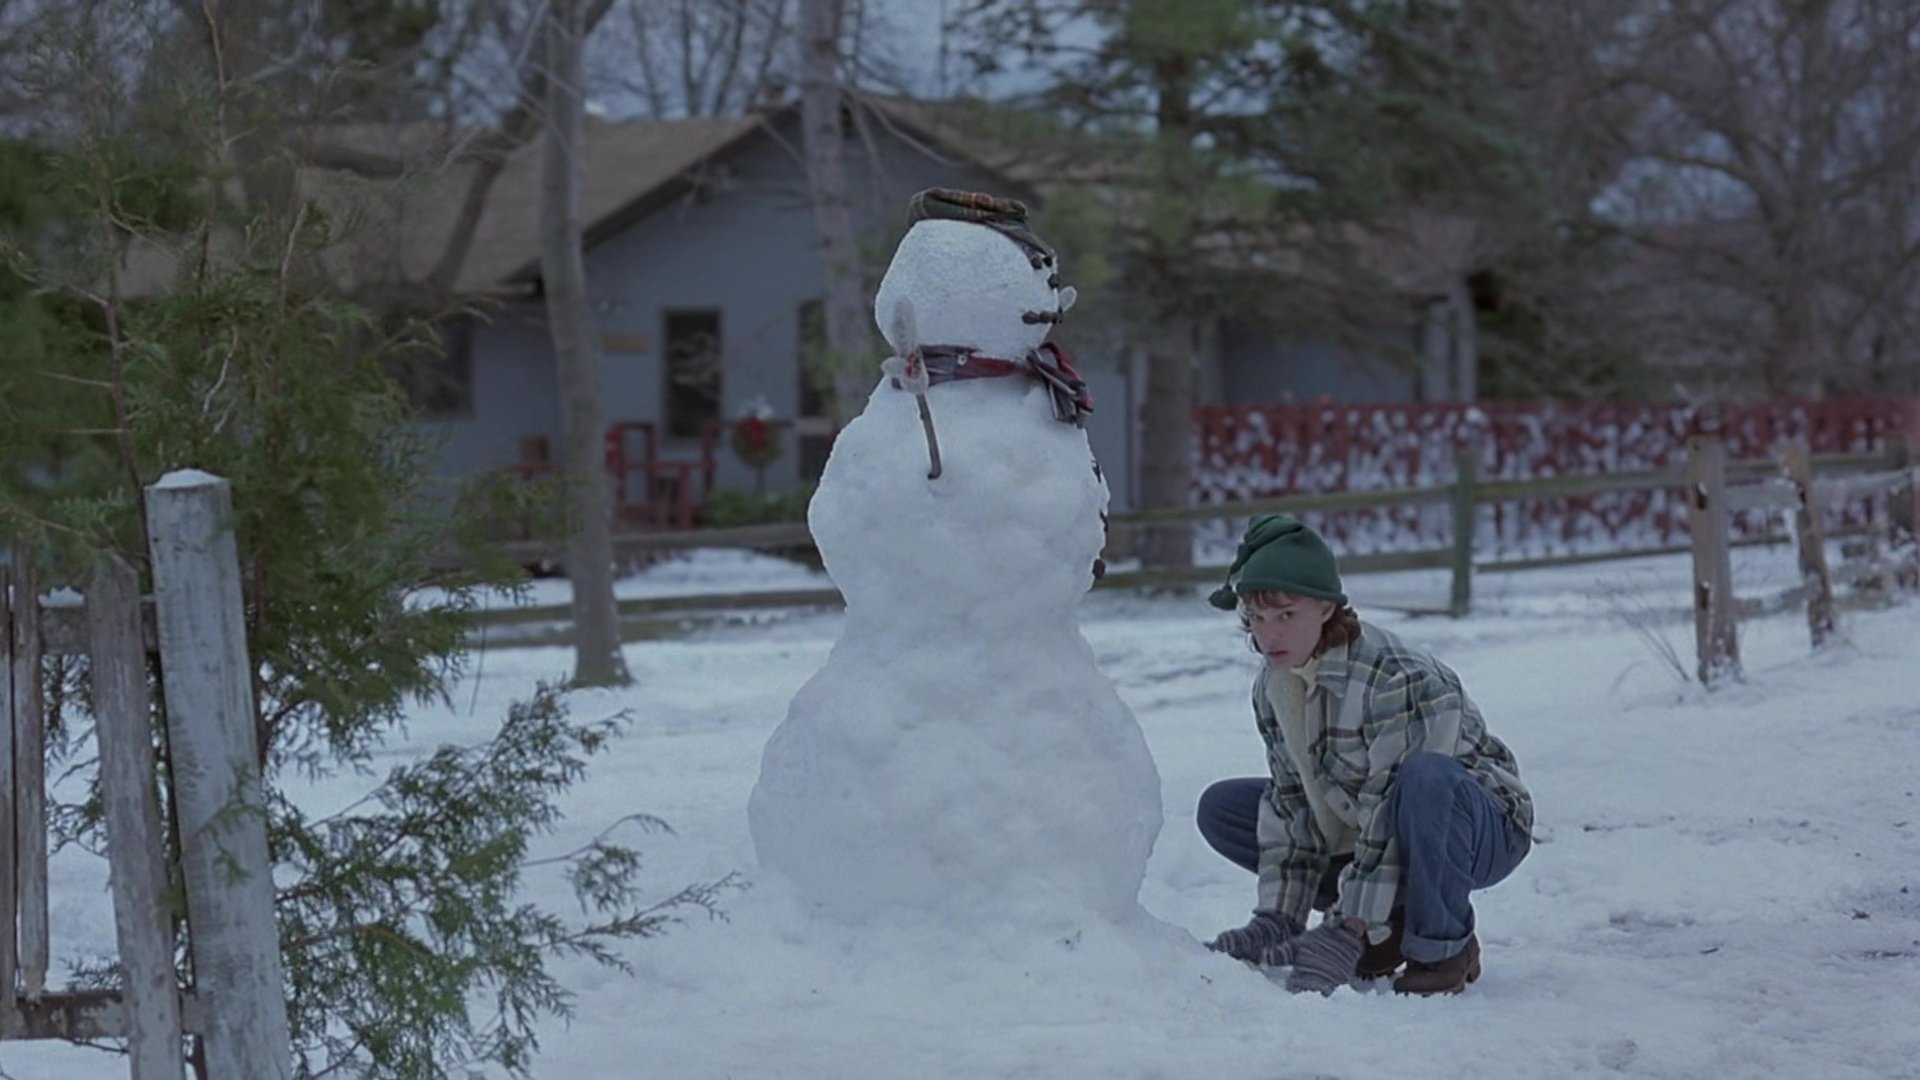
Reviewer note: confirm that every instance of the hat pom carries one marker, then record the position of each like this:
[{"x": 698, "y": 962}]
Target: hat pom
[{"x": 1224, "y": 598}]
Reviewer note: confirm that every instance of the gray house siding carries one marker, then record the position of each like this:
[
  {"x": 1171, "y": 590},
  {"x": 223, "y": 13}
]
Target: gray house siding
[
  {"x": 746, "y": 251},
  {"x": 1113, "y": 431},
  {"x": 514, "y": 395},
  {"x": 1252, "y": 363},
  {"x": 746, "y": 248},
  {"x": 743, "y": 245}
]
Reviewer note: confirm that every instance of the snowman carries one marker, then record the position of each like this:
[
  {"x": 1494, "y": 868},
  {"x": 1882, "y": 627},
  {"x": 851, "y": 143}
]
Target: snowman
[{"x": 959, "y": 757}]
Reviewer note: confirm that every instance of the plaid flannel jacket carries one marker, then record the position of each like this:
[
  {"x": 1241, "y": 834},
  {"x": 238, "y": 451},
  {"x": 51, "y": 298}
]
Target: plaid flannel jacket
[{"x": 1374, "y": 703}]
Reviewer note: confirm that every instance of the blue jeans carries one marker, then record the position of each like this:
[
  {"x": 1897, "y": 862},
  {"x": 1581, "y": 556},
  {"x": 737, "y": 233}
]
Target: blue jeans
[{"x": 1454, "y": 838}]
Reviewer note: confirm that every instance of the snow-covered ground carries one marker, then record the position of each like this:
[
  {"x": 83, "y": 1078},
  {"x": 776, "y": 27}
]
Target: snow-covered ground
[{"x": 1729, "y": 883}]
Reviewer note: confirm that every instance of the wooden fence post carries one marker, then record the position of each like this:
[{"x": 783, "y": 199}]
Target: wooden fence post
[
  {"x": 1821, "y": 624},
  {"x": 29, "y": 785},
  {"x": 1708, "y": 520},
  {"x": 1903, "y": 506},
  {"x": 135, "y": 844},
  {"x": 216, "y": 775},
  {"x": 9, "y": 703},
  {"x": 1466, "y": 477}
]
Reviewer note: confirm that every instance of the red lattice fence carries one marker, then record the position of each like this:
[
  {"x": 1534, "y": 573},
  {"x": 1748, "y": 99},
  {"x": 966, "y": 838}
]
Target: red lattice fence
[{"x": 1256, "y": 451}]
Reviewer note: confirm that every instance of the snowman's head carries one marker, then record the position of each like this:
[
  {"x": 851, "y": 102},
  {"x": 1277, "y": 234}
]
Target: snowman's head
[{"x": 973, "y": 275}]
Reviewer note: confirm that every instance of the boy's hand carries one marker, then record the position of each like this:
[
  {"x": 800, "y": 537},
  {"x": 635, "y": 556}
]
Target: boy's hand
[
  {"x": 1326, "y": 957},
  {"x": 1265, "y": 934}
]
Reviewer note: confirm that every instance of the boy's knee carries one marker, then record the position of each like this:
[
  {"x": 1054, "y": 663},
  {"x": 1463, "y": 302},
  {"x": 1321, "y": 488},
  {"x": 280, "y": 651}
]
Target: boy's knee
[
  {"x": 1423, "y": 779},
  {"x": 1427, "y": 766},
  {"x": 1213, "y": 800}
]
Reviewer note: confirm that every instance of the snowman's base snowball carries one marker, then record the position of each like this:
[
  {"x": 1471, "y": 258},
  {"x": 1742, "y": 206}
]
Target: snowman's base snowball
[{"x": 969, "y": 801}]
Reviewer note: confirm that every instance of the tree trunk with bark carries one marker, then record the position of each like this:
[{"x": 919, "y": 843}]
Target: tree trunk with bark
[
  {"x": 597, "y": 657},
  {"x": 1166, "y": 451},
  {"x": 845, "y": 300}
]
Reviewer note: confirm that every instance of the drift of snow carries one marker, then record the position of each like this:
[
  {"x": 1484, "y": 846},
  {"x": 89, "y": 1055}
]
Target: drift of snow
[
  {"x": 186, "y": 478},
  {"x": 960, "y": 760},
  {"x": 1728, "y": 889}
]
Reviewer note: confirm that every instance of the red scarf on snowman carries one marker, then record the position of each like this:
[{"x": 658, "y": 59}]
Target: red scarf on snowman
[{"x": 1049, "y": 364}]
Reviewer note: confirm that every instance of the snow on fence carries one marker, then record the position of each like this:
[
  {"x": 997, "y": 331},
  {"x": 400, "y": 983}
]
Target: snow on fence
[
  {"x": 1712, "y": 501},
  {"x": 1389, "y": 483},
  {"x": 1851, "y": 488},
  {"x": 237, "y": 1003},
  {"x": 1253, "y": 452}
]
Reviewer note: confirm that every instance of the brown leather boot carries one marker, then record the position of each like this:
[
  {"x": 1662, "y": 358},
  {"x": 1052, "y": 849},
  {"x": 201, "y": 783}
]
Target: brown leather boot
[
  {"x": 1379, "y": 961},
  {"x": 1449, "y": 976}
]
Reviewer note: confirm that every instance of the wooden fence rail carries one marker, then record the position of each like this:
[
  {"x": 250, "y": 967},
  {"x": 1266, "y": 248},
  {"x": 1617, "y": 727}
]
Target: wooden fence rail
[
  {"x": 1797, "y": 491},
  {"x": 1750, "y": 485},
  {"x": 794, "y": 534},
  {"x": 16, "y": 593},
  {"x": 29, "y": 791},
  {"x": 143, "y": 927}
]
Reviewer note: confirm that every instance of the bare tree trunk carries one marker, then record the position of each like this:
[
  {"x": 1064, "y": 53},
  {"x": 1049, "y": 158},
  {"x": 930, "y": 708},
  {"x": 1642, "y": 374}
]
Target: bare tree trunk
[
  {"x": 597, "y": 657},
  {"x": 827, "y": 186},
  {"x": 1166, "y": 451},
  {"x": 1449, "y": 349},
  {"x": 1466, "y": 343},
  {"x": 1436, "y": 350},
  {"x": 1787, "y": 362}
]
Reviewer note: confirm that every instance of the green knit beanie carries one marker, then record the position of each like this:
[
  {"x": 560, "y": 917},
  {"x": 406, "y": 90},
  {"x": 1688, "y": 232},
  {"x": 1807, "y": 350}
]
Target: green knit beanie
[{"x": 1280, "y": 554}]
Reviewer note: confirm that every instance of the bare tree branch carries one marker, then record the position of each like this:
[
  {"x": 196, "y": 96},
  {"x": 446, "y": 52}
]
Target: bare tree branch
[
  {"x": 1805, "y": 114},
  {"x": 701, "y": 57},
  {"x": 491, "y": 152}
]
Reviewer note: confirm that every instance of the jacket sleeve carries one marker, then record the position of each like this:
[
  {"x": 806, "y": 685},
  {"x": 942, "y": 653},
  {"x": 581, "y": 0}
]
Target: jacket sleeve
[
  {"x": 1407, "y": 711},
  {"x": 1293, "y": 853}
]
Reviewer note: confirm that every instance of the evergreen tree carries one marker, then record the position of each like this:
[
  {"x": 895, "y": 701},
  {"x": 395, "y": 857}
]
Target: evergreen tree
[
  {"x": 157, "y": 319},
  {"x": 1252, "y": 158}
]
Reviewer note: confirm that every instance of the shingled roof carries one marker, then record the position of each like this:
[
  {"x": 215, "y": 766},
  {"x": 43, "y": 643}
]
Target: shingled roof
[
  {"x": 396, "y": 229},
  {"x": 393, "y": 230},
  {"x": 413, "y": 218}
]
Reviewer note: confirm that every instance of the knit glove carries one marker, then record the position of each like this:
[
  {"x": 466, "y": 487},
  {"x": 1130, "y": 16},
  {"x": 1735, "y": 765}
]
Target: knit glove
[
  {"x": 1326, "y": 957},
  {"x": 1264, "y": 934}
]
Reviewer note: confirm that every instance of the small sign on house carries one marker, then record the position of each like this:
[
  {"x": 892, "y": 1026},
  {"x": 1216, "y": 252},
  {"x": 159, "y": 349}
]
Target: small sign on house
[{"x": 625, "y": 343}]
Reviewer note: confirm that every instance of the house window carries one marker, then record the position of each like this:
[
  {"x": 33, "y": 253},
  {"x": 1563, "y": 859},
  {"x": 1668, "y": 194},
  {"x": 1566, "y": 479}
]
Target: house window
[
  {"x": 693, "y": 371},
  {"x": 438, "y": 382},
  {"x": 813, "y": 354},
  {"x": 813, "y": 428}
]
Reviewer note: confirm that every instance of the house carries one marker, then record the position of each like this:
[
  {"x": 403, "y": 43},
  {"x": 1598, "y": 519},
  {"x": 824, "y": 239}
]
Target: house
[
  {"x": 1414, "y": 343},
  {"x": 704, "y": 278},
  {"x": 705, "y": 282}
]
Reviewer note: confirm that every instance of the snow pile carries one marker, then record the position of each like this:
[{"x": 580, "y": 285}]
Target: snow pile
[
  {"x": 1731, "y": 888},
  {"x": 700, "y": 572}
]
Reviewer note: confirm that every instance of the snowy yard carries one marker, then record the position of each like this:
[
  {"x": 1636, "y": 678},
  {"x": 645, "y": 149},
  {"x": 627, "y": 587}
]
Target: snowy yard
[{"x": 1729, "y": 884}]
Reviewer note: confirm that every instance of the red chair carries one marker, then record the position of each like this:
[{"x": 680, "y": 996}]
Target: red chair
[{"x": 649, "y": 492}]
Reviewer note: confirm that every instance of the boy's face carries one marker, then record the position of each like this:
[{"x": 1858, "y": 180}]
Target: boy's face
[{"x": 1286, "y": 630}]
